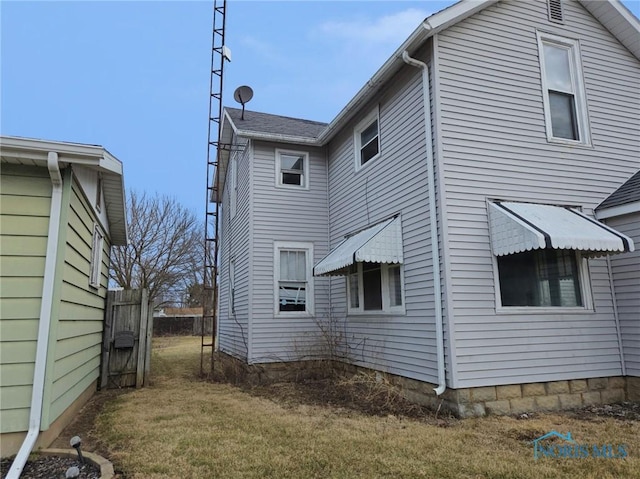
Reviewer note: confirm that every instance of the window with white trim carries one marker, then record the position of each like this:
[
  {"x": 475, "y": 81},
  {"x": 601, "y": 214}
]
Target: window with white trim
[
  {"x": 293, "y": 278},
  {"x": 375, "y": 287},
  {"x": 366, "y": 137},
  {"x": 564, "y": 96},
  {"x": 96, "y": 257},
  {"x": 542, "y": 278},
  {"x": 292, "y": 169}
]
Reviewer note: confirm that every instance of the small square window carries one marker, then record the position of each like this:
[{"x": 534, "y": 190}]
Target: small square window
[
  {"x": 367, "y": 139},
  {"x": 292, "y": 169}
]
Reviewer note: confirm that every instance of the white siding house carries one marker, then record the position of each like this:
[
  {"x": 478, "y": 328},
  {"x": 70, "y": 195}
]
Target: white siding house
[{"x": 481, "y": 147}]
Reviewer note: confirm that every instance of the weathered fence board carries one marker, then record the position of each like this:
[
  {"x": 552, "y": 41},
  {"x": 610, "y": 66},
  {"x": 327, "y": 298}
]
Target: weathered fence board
[{"x": 127, "y": 339}]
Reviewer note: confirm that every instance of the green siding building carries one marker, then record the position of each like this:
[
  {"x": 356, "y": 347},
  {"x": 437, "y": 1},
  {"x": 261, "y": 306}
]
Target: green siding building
[{"x": 62, "y": 207}]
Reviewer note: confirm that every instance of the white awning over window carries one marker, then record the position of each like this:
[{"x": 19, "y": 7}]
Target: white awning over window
[
  {"x": 518, "y": 227},
  {"x": 381, "y": 243}
]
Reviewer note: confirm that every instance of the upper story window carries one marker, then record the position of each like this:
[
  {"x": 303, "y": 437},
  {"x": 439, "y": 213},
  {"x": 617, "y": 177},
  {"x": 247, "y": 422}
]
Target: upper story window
[
  {"x": 375, "y": 287},
  {"x": 565, "y": 105},
  {"x": 292, "y": 169},
  {"x": 96, "y": 257},
  {"x": 293, "y": 280},
  {"x": 366, "y": 138}
]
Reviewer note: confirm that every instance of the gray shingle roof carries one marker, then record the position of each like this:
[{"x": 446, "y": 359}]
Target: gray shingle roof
[
  {"x": 629, "y": 192},
  {"x": 275, "y": 124}
]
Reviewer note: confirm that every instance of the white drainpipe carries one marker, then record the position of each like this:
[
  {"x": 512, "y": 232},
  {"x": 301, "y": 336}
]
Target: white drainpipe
[
  {"x": 37, "y": 394},
  {"x": 435, "y": 251}
]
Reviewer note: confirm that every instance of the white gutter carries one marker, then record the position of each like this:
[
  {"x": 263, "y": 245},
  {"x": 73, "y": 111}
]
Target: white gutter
[
  {"x": 435, "y": 250},
  {"x": 37, "y": 395}
]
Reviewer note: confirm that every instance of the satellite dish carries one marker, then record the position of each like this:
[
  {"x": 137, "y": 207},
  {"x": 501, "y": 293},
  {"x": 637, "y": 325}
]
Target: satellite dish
[{"x": 243, "y": 95}]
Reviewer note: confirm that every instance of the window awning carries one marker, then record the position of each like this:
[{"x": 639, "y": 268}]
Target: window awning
[
  {"x": 381, "y": 243},
  {"x": 518, "y": 227}
]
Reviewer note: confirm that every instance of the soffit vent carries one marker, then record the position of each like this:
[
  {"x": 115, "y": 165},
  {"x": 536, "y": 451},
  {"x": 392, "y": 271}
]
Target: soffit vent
[{"x": 555, "y": 11}]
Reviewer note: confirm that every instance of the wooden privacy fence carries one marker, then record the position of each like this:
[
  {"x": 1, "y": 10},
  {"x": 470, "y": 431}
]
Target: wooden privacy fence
[{"x": 126, "y": 344}]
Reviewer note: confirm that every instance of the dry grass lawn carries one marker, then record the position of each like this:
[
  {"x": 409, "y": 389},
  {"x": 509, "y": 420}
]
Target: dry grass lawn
[{"x": 181, "y": 427}]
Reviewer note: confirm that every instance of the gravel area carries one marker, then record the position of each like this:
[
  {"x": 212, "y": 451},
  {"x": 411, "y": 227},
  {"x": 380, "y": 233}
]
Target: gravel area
[{"x": 51, "y": 467}]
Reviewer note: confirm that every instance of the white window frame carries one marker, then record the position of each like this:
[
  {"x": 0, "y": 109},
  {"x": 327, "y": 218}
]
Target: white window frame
[
  {"x": 305, "y": 169},
  {"x": 95, "y": 270},
  {"x": 310, "y": 295},
  {"x": 233, "y": 183},
  {"x": 577, "y": 82},
  {"x": 374, "y": 115},
  {"x": 386, "y": 307},
  {"x": 584, "y": 278}
]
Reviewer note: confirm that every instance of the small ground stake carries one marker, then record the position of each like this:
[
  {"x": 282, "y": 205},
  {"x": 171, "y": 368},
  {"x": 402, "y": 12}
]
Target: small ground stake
[{"x": 76, "y": 442}]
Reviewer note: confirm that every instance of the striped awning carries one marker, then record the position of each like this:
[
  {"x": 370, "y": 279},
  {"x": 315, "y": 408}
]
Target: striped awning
[
  {"x": 380, "y": 243},
  {"x": 518, "y": 227}
]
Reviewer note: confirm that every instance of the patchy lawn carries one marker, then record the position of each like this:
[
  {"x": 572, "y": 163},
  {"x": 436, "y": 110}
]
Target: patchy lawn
[{"x": 184, "y": 428}]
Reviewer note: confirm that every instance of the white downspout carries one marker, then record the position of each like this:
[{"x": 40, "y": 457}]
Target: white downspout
[
  {"x": 37, "y": 395},
  {"x": 435, "y": 250},
  {"x": 616, "y": 317}
]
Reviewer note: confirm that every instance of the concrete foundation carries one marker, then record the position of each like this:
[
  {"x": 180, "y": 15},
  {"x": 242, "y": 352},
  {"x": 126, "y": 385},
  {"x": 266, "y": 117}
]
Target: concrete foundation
[{"x": 463, "y": 402}]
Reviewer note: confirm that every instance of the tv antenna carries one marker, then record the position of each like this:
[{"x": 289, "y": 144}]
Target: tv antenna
[{"x": 243, "y": 95}]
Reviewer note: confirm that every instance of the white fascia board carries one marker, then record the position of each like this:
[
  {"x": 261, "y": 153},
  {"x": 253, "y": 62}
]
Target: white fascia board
[
  {"x": 71, "y": 153},
  {"x": 36, "y": 147},
  {"x": 618, "y": 20},
  {"x": 298, "y": 140},
  {"x": 432, "y": 25},
  {"x": 619, "y": 210}
]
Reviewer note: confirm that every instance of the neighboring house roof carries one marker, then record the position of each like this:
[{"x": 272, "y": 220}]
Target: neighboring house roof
[
  {"x": 624, "y": 200},
  {"x": 34, "y": 152},
  {"x": 182, "y": 311}
]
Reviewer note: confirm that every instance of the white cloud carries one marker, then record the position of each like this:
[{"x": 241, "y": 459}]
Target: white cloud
[{"x": 393, "y": 28}]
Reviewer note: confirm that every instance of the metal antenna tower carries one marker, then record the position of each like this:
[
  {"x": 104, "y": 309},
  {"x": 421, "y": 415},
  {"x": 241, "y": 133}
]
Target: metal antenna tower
[{"x": 219, "y": 53}]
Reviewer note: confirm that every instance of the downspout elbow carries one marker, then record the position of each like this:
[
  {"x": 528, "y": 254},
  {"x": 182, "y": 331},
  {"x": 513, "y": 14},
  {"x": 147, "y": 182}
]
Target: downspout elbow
[{"x": 435, "y": 251}]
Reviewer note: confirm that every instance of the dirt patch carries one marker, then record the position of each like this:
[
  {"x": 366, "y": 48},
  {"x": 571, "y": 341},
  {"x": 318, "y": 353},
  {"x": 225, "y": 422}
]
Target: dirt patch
[
  {"x": 625, "y": 411},
  {"x": 83, "y": 424},
  {"x": 362, "y": 394}
]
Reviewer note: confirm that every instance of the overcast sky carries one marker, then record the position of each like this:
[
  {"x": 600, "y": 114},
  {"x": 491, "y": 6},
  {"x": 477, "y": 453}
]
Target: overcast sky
[{"x": 134, "y": 76}]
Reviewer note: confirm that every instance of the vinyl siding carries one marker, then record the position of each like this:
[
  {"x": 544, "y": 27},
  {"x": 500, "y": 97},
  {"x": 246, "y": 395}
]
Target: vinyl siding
[
  {"x": 283, "y": 214},
  {"x": 25, "y": 201},
  {"x": 494, "y": 145},
  {"x": 75, "y": 355},
  {"x": 626, "y": 280},
  {"x": 396, "y": 182},
  {"x": 234, "y": 242}
]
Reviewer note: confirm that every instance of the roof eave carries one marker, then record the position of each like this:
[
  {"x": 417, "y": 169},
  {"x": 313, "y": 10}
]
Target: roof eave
[
  {"x": 91, "y": 156},
  {"x": 618, "y": 20},
  {"x": 429, "y": 27},
  {"x": 618, "y": 210}
]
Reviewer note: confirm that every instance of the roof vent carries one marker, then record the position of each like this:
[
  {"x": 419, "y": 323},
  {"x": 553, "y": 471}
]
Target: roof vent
[{"x": 555, "y": 11}]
